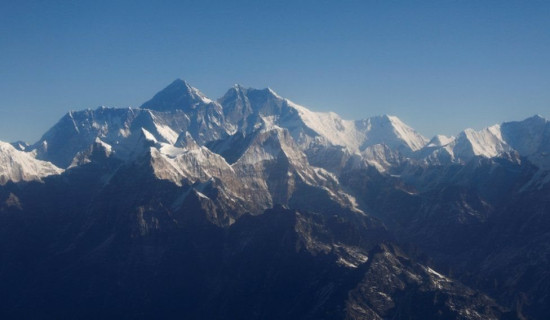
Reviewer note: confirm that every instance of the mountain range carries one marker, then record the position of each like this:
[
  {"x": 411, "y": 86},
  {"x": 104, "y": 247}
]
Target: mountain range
[{"x": 252, "y": 206}]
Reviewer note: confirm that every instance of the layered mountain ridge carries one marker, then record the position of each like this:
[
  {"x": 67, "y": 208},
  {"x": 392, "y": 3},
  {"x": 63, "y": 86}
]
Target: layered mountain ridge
[
  {"x": 370, "y": 204},
  {"x": 181, "y": 109}
]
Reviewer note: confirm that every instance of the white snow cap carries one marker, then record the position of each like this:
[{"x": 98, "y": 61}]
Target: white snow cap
[{"x": 18, "y": 165}]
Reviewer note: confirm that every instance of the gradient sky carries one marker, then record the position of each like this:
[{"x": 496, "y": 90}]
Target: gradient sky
[{"x": 440, "y": 66}]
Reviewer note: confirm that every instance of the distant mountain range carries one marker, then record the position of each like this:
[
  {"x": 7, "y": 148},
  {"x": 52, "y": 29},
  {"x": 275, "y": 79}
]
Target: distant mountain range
[{"x": 254, "y": 207}]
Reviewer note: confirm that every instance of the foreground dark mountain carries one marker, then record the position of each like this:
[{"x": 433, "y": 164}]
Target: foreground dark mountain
[
  {"x": 128, "y": 254},
  {"x": 486, "y": 223},
  {"x": 255, "y": 207}
]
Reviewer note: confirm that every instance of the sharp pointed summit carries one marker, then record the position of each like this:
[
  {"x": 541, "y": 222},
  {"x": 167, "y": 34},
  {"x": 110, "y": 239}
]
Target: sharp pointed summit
[
  {"x": 179, "y": 95},
  {"x": 391, "y": 131}
]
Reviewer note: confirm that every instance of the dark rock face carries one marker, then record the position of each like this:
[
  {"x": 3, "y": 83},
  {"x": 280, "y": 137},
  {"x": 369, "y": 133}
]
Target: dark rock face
[
  {"x": 394, "y": 287},
  {"x": 479, "y": 222},
  {"x": 90, "y": 248}
]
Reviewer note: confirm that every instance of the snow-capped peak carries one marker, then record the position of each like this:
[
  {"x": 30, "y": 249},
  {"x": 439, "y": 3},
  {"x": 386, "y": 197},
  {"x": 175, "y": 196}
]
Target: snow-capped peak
[
  {"x": 529, "y": 138},
  {"x": 18, "y": 165},
  {"x": 439, "y": 141},
  {"x": 358, "y": 135},
  {"x": 413, "y": 139},
  {"x": 391, "y": 131},
  {"x": 181, "y": 116},
  {"x": 330, "y": 126},
  {"x": 248, "y": 108},
  {"x": 487, "y": 142}
]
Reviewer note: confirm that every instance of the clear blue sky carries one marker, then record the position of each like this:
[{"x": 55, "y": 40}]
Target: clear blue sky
[{"x": 440, "y": 66}]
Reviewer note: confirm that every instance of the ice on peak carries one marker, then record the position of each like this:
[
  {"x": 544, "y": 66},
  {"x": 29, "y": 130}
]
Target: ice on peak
[
  {"x": 395, "y": 120},
  {"x": 530, "y": 138},
  {"x": 355, "y": 135},
  {"x": 16, "y": 165},
  {"x": 386, "y": 119},
  {"x": 382, "y": 118},
  {"x": 487, "y": 142},
  {"x": 440, "y": 141},
  {"x": 493, "y": 130},
  {"x": 4, "y": 146},
  {"x": 527, "y": 137},
  {"x": 391, "y": 131}
]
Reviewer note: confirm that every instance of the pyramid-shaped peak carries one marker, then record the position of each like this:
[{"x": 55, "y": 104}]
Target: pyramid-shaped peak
[
  {"x": 180, "y": 83},
  {"x": 180, "y": 86},
  {"x": 179, "y": 95},
  {"x": 391, "y": 131}
]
